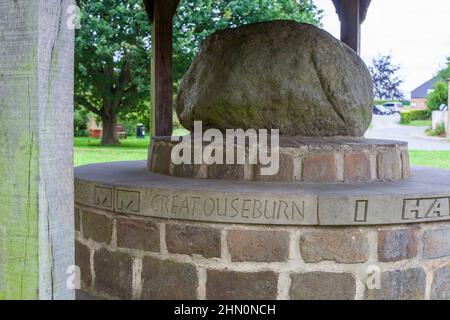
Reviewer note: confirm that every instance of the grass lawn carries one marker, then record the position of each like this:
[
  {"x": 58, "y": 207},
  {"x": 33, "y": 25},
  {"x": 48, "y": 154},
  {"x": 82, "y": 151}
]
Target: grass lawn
[
  {"x": 419, "y": 123},
  {"x": 89, "y": 150},
  {"x": 438, "y": 159}
]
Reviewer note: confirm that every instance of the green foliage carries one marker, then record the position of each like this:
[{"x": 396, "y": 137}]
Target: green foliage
[
  {"x": 420, "y": 115},
  {"x": 438, "y": 132},
  {"x": 130, "y": 120},
  {"x": 196, "y": 19},
  {"x": 408, "y": 116},
  {"x": 438, "y": 96},
  {"x": 405, "y": 117},
  {"x": 113, "y": 47},
  {"x": 80, "y": 119},
  {"x": 444, "y": 74},
  {"x": 112, "y": 57}
]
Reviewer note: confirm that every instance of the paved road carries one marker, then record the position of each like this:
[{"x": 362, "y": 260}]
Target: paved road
[{"x": 388, "y": 127}]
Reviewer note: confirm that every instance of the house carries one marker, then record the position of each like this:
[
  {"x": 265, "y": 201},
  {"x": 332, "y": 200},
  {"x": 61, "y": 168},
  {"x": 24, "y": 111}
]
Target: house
[{"x": 419, "y": 95}]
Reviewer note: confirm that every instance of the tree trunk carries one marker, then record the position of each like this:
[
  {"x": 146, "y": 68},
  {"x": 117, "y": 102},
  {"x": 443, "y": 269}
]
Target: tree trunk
[{"x": 109, "y": 135}]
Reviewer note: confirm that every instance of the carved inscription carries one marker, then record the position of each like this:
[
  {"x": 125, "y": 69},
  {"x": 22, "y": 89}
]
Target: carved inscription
[
  {"x": 81, "y": 191},
  {"x": 103, "y": 197},
  {"x": 361, "y": 210},
  {"x": 426, "y": 208},
  {"x": 127, "y": 201},
  {"x": 242, "y": 208}
]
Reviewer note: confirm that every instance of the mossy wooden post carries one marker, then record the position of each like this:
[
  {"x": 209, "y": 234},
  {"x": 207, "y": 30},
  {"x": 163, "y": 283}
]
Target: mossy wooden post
[{"x": 36, "y": 157}]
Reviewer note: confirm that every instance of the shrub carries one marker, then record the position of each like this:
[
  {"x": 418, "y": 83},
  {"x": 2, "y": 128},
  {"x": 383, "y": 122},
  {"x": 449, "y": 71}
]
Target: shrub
[
  {"x": 80, "y": 120},
  {"x": 81, "y": 133},
  {"x": 420, "y": 114},
  {"x": 438, "y": 96},
  {"x": 405, "y": 117},
  {"x": 439, "y": 132}
]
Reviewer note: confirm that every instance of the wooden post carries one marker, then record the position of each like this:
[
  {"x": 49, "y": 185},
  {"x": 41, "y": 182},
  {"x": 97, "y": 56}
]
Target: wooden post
[
  {"x": 349, "y": 14},
  {"x": 162, "y": 12},
  {"x": 448, "y": 110},
  {"x": 36, "y": 150}
]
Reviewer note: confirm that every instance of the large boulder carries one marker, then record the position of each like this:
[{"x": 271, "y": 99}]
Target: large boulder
[{"x": 277, "y": 75}]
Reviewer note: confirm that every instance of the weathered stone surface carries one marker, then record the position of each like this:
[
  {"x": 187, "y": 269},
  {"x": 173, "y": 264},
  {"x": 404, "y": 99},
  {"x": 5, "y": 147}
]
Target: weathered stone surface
[
  {"x": 389, "y": 165},
  {"x": 229, "y": 285},
  {"x": 436, "y": 243},
  {"x": 168, "y": 280},
  {"x": 440, "y": 288},
  {"x": 193, "y": 240},
  {"x": 227, "y": 171},
  {"x": 396, "y": 245},
  {"x": 113, "y": 273},
  {"x": 137, "y": 234},
  {"x": 342, "y": 246},
  {"x": 357, "y": 167},
  {"x": 83, "y": 261},
  {"x": 97, "y": 227},
  {"x": 322, "y": 286},
  {"x": 285, "y": 173},
  {"x": 77, "y": 219},
  {"x": 406, "y": 166},
  {"x": 400, "y": 285},
  {"x": 320, "y": 167},
  {"x": 281, "y": 75},
  {"x": 190, "y": 171},
  {"x": 160, "y": 157},
  {"x": 264, "y": 246},
  {"x": 403, "y": 202}
]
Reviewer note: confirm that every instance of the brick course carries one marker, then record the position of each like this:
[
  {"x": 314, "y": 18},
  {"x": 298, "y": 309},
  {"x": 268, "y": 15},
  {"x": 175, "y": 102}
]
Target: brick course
[
  {"x": 263, "y": 246},
  {"x": 193, "y": 240}
]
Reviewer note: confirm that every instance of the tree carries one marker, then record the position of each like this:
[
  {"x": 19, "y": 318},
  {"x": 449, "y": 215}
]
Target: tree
[
  {"x": 386, "y": 83},
  {"x": 196, "y": 19},
  {"x": 438, "y": 96},
  {"x": 114, "y": 42},
  {"x": 444, "y": 74},
  {"x": 112, "y": 60}
]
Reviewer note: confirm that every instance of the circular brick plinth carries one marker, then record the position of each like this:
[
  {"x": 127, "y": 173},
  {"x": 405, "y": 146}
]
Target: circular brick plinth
[
  {"x": 131, "y": 257},
  {"x": 301, "y": 160},
  {"x": 141, "y": 235}
]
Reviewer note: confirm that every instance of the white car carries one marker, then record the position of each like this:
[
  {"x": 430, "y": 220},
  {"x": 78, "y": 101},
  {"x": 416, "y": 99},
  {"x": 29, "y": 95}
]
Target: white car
[{"x": 395, "y": 107}]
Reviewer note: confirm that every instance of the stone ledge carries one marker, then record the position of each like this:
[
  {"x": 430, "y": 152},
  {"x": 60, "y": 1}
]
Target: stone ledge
[
  {"x": 127, "y": 188},
  {"x": 301, "y": 160}
]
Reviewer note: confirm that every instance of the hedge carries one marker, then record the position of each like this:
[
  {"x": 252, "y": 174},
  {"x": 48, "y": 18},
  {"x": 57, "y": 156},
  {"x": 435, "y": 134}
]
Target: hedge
[
  {"x": 412, "y": 115},
  {"x": 420, "y": 114},
  {"x": 405, "y": 117}
]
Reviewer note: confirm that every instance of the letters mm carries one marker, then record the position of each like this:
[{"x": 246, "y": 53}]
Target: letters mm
[
  {"x": 128, "y": 201},
  {"x": 103, "y": 197}
]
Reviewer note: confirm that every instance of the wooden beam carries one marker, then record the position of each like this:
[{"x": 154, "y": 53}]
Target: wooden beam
[
  {"x": 363, "y": 7},
  {"x": 351, "y": 23},
  {"x": 162, "y": 12},
  {"x": 448, "y": 110}
]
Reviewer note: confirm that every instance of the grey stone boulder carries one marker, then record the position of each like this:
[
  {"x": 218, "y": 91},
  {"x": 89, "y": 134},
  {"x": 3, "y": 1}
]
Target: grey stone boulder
[{"x": 277, "y": 75}]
